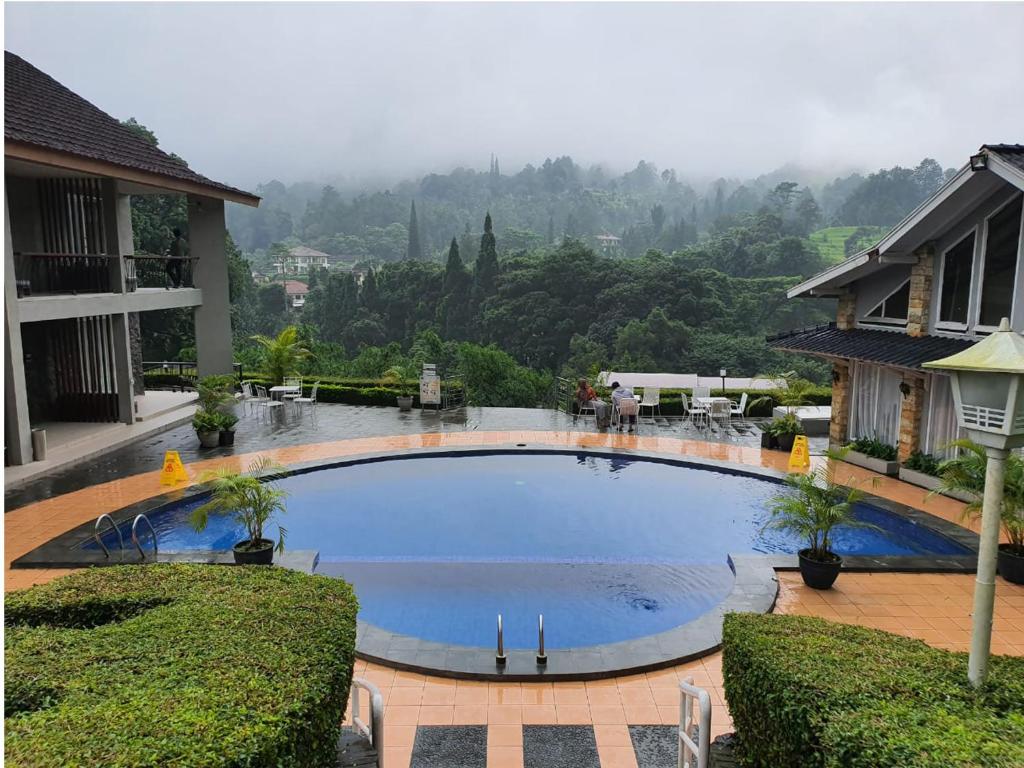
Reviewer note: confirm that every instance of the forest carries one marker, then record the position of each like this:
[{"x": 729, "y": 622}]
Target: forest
[{"x": 505, "y": 271}]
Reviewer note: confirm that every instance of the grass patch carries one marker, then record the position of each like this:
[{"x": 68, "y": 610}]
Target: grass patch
[
  {"x": 183, "y": 665},
  {"x": 836, "y": 243}
]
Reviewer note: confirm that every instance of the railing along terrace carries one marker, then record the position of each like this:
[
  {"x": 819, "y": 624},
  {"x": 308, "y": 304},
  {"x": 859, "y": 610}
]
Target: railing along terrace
[
  {"x": 185, "y": 371},
  {"x": 67, "y": 273},
  {"x": 143, "y": 270}
]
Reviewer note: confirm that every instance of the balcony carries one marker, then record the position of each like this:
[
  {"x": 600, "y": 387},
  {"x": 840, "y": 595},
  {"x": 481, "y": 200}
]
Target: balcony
[{"x": 66, "y": 273}]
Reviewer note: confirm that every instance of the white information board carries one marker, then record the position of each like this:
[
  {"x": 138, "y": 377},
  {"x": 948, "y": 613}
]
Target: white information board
[{"x": 430, "y": 390}]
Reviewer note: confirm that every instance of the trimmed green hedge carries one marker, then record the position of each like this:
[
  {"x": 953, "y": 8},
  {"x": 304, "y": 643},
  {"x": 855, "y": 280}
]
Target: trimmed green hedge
[
  {"x": 809, "y": 692},
  {"x": 183, "y": 665}
]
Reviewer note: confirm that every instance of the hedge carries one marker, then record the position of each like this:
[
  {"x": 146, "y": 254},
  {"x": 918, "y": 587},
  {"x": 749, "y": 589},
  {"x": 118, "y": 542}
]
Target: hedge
[
  {"x": 809, "y": 692},
  {"x": 184, "y": 665}
]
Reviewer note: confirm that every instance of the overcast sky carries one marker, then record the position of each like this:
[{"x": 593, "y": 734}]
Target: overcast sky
[{"x": 249, "y": 92}]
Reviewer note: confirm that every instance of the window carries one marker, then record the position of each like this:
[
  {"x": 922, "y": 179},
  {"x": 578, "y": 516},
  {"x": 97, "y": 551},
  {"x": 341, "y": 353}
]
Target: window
[
  {"x": 1000, "y": 265},
  {"x": 893, "y": 308},
  {"x": 957, "y": 264},
  {"x": 875, "y": 403}
]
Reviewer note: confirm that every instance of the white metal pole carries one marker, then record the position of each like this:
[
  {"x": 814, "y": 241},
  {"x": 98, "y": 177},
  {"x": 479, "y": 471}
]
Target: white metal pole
[{"x": 985, "y": 583}]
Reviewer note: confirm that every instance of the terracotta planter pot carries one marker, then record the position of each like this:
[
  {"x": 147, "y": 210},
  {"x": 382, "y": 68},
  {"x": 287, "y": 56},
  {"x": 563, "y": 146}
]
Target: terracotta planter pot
[
  {"x": 818, "y": 574},
  {"x": 262, "y": 556},
  {"x": 1011, "y": 563}
]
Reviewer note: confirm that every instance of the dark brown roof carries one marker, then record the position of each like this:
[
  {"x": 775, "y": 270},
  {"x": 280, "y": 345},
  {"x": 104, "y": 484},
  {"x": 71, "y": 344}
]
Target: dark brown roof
[
  {"x": 40, "y": 111},
  {"x": 893, "y": 348},
  {"x": 1011, "y": 153}
]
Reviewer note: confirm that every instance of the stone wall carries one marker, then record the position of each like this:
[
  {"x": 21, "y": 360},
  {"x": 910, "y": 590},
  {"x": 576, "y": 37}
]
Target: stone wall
[
  {"x": 910, "y": 416},
  {"x": 839, "y": 426},
  {"x": 921, "y": 290},
  {"x": 135, "y": 339},
  {"x": 846, "y": 312}
]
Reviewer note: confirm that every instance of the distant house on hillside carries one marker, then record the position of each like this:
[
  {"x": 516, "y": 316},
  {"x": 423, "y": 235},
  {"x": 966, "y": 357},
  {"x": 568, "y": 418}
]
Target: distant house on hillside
[
  {"x": 300, "y": 260},
  {"x": 295, "y": 292},
  {"x": 608, "y": 244},
  {"x": 938, "y": 282},
  {"x": 74, "y": 286}
]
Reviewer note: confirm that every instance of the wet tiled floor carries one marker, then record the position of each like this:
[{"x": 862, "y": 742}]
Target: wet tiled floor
[{"x": 932, "y": 607}]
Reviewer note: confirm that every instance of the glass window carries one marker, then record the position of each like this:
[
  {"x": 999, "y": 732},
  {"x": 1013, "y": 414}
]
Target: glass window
[
  {"x": 1000, "y": 264},
  {"x": 957, "y": 264},
  {"x": 894, "y": 306}
]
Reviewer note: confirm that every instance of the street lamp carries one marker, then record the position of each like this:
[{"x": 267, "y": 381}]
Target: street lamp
[
  {"x": 722, "y": 373},
  {"x": 988, "y": 390}
]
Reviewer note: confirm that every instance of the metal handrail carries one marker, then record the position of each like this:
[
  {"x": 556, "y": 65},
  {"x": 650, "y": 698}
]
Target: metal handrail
[
  {"x": 99, "y": 539},
  {"x": 500, "y": 657},
  {"x": 135, "y": 535},
  {"x": 542, "y": 657},
  {"x": 374, "y": 731},
  {"x": 688, "y": 748}
]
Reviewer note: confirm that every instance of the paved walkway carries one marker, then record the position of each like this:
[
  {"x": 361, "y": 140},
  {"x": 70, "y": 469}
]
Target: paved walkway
[{"x": 609, "y": 723}]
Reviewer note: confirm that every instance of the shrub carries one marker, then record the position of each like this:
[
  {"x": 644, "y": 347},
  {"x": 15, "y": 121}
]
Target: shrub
[
  {"x": 923, "y": 462},
  {"x": 808, "y": 692},
  {"x": 184, "y": 665},
  {"x": 876, "y": 449}
]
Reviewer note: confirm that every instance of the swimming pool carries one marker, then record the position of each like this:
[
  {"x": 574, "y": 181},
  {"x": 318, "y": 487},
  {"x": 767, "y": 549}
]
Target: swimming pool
[{"x": 608, "y": 548}]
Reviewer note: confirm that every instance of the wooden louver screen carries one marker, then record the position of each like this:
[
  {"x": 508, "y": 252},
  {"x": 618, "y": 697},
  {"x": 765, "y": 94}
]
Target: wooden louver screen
[
  {"x": 83, "y": 353},
  {"x": 74, "y": 238}
]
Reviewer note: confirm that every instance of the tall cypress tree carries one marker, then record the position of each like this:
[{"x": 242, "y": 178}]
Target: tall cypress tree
[
  {"x": 486, "y": 262},
  {"x": 415, "y": 251},
  {"x": 551, "y": 230},
  {"x": 454, "y": 270}
]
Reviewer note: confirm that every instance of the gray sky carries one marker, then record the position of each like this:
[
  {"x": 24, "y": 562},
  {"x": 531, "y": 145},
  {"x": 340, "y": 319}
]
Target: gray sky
[{"x": 248, "y": 92}]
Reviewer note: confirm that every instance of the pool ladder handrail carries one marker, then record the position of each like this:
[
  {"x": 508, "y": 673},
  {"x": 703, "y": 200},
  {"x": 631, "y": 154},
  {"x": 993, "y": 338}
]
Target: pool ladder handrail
[
  {"x": 500, "y": 658},
  {"x": 374, "y": 730},
  {"x": 542, "y": 657},
  {"x": 135, "y": 535},
  {"x": 99, "y": 539},
  {"x": 694, "y": 753}
]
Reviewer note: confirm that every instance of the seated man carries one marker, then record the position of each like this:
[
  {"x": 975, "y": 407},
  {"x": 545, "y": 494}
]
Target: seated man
[{"x": 619, "y": 393}]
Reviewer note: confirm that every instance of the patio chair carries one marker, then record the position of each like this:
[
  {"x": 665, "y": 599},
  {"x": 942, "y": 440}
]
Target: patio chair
[
  {"x": 627, "y": 406},
  {"x": 652, "y": 400},
  {"x": 310, "y": 401},
  {"x": 249, "y": 396},
  {"x": 266, "y": 404},
  {"x": 741, "y": 409},
  {"x": 721, "y": 412}
]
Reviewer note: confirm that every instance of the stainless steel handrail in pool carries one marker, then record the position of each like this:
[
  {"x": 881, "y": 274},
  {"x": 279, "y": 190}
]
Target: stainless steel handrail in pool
[
  {"x": 135, "y": 535},
  {"x": 542, "y": 657},
  {"x": 688, "y": 747},
  {"x": 99, "y": 539},
  {"x": 374, "y": 732},
  {"x": 500, "y": 657}
]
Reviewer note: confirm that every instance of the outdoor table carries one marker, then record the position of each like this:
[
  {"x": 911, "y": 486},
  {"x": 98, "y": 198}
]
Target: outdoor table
[
  {"x": 278, "y": 392},
  {"x": 704, "y": 404}
]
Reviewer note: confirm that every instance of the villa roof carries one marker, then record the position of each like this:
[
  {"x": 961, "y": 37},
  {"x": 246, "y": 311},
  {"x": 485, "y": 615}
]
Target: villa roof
[
  {"x": 295, "y": 288},
  {"x": 307, "y": 252},
  {"x": 894, "y": 348},
  {"x": 48, "y": 123},
  {"x": 1005, "y": 165}
]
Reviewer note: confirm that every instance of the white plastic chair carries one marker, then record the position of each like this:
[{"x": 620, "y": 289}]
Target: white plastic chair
[
  {"x": 249, "y": 396},
  {"x": 741, "y": 409},
  {"x": 721, "y": 411},
  {"x": 264, "y": 401},
  {"x": 652, "y": 400},
  {"x": 628, "y": 406},
  {"x": 699, "y": 412},
  {"x": 310, "y": 401}
]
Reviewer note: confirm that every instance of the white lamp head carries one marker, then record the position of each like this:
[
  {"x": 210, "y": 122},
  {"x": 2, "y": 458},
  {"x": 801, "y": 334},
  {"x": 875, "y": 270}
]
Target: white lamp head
[{"x": 988, "y": 388}]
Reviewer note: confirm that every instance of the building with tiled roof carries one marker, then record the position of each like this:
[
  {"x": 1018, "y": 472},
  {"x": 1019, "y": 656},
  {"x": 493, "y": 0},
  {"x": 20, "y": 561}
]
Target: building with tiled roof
[
  {"x": 74, "y": 285},
  {"x": 942, "y": 279}
]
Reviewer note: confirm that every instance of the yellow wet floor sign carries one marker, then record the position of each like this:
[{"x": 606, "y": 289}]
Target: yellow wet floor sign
[
  {"x": 173, "y": 471},
  {"x": 799, "y": 457}
]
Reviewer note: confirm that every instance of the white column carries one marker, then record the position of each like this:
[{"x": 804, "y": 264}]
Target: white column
[
  {"x": 206, "y": 233},
  {"x": 985, "y": 581},
  {"x": 17, "y": 427},
  {"x": 117, "y": 213}
]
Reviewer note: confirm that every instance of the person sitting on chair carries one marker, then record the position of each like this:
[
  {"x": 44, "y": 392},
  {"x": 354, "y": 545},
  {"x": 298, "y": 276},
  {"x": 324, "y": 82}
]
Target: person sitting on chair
[
  {"x": 586, "y": 397},
  {"x": 620, "y": 393}
]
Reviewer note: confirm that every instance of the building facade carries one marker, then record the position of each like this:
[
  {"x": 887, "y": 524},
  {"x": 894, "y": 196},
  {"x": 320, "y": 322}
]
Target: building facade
[
  {"x": 300, "y": 260},
  {"x": 74, "y": 286},
  {"x": 937, "y": 283}
]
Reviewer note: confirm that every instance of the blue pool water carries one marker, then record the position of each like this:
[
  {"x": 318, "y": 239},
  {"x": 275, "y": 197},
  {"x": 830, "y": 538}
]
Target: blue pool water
[{"x": 607, "y": 549}]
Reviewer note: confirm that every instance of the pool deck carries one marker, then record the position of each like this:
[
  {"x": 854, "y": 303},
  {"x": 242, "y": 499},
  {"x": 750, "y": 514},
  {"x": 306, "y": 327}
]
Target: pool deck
[{"x": 420, "y": 709}]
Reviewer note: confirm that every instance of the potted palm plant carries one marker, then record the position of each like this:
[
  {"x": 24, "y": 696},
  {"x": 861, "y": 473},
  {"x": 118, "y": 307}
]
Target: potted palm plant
[
  {"x": 812, "y": 508},
  {"x": 226, "y": 422},
  {"x": 207, "y": 426},
  {"x": 214, "y": 415},
  {"x": 965, "y": 476},
  {"x": 253, "y": 502},
  {"x": 282, "y": 354},
  {"x": 402, "y": 376}
]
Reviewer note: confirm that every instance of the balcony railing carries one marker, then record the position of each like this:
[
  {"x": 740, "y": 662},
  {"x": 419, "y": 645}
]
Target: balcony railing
[
  {"x": 149, "y": 271},
  {"x": 66, "y": 273}
]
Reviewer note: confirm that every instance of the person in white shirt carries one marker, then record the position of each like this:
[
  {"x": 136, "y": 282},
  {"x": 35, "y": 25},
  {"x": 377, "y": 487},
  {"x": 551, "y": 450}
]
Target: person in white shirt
[{"x": 620, "y": 392}]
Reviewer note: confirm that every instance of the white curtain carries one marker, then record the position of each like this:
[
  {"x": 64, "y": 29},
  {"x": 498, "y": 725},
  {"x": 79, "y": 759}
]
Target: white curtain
[
  {"x": 939, "y": 424},
  {"x": 875, "y": 404}
]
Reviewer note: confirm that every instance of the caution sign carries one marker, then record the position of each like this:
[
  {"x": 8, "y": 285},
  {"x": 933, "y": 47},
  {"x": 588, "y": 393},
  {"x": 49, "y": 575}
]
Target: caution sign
[
  {"x": 800, "y": 456},
  {"x": 173, "y": 471}
]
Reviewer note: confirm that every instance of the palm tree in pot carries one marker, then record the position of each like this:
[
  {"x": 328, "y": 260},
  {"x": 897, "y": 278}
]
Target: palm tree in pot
[
  {"x": 813, "y": 506},
  {"x": 253, "y": 502},
  {"x": 966, "y": 474}
]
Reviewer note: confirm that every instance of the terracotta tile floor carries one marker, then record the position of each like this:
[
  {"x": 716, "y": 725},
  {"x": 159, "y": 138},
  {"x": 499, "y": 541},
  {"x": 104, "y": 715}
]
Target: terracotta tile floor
[{"x": 932, "y": 607}]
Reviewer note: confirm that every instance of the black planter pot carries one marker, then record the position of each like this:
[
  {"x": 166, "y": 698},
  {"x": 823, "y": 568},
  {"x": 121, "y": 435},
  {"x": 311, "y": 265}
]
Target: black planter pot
[
  {"x": 264, "y": 556},
  {"x": 785, "y": 442},
  {"x": 768, "y": 440},
  {"x": 818, "y": 574},
  {"x": 1011, "y": 564},
  {"x": 227, "y": 437}
]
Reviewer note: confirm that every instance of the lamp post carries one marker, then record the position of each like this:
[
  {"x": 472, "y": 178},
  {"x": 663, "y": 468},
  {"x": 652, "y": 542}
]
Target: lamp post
[
  {"x": 722, "y": 373},
  {"x": 988, "y": 391}
]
